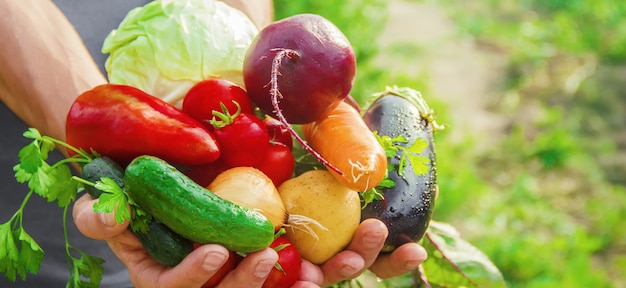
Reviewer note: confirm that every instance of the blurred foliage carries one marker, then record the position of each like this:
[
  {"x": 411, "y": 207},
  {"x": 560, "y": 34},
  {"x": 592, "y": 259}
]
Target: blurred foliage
[
  {"x": 544, "y": 198},
  {"x": 553, "y": 188}
]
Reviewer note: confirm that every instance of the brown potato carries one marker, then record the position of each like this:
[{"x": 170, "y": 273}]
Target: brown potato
[{"x": 334, "y": 211}]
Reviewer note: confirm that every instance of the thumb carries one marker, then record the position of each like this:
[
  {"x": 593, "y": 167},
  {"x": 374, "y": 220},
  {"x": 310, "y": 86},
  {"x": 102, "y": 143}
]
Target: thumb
[
  {"x": 196, "y": 269},
  {"x": 99, "y": 226}
]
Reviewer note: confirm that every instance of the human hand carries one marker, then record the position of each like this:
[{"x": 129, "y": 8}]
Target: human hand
[
  {"x": 363, "y": 253},
  {"x": 198, "y": 267}
]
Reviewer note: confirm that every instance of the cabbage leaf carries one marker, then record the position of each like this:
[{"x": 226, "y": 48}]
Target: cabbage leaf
[{"x": 166, "y": 46}]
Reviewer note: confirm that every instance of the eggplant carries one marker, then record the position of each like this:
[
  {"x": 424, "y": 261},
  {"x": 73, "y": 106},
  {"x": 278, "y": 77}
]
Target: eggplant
[{"x": 406, "y": 208}]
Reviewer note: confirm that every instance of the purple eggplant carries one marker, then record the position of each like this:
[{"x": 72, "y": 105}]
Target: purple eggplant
[{"x": 403, "y": 122}]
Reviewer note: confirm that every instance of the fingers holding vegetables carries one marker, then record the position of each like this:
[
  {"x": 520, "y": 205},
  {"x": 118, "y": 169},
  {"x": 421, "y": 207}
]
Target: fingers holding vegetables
[
  {"x": 297, "y": 71},
  {"x": 287, "y": 271},
  {"x": 362, "y": 251},
  {"x": 252, "y": 270},
  {"x": 95, "y": 225},
  {"x": 198, "y": 267},
  {"x": 404, "y": 259}
]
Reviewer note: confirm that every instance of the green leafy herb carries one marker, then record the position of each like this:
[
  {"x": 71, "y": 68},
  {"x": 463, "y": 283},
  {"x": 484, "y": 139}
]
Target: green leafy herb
[
  {"x": 393, "y": 148},
  {"x": 22, "y": 254},
  {"x": 19, "y": 252},
  {"x": 412, "y": 154},
  {"x": 114, "y": 200},
  {"x": 87, "y": 266}
]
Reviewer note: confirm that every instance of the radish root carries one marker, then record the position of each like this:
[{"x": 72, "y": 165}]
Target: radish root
[
  {"x": 275, "y": 95},
  {"x": 303, "y": 223}
]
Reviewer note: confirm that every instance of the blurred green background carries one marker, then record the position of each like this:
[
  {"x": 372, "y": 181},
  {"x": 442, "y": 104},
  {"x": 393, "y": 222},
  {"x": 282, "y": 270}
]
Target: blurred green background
[{"x": 532, "y": 164}]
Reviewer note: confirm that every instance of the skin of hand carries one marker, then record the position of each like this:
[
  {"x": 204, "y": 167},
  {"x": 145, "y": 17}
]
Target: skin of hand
[
  {"x": 362, "y": 253},
  {"x": 46, "y": 41}
]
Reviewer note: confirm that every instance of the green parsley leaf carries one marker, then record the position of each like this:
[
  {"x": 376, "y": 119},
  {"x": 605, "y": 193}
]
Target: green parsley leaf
[
  {"x": 20, "y": 253},
  {"x": 21, "y": 175},
  {"x": 86, "y": 266},
  {"x": 370, "y": 195},
  {"x": 30, "y": 158},
  {"x": 31, "y": 253},
  {"x": 113, "y": 200},
  {"x": 7, "y": 242},
  {"x": 63, "y": 189},
  {"x": 41, "y": 180},
  {"x": 141, "y": 219},
  {"x": 386, "y": 183},
  {"x": 418, "y": 163},
  {"x": 32, "y": 133},
  {"x": 388, "y": 143}
]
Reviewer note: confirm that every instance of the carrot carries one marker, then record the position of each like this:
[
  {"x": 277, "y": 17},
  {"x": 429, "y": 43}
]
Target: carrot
[{"x": 345, "y": 141}]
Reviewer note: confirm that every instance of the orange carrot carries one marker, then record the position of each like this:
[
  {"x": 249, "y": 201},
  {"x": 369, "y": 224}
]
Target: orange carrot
[{"x": 345, "y": 141}]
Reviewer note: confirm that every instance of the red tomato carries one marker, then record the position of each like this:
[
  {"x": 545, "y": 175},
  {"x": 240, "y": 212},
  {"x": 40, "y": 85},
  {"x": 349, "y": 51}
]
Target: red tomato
[
  {"x": 277, "y": 131},
  {"x": 243, "y": 141},
  {"x": 290, "y": 262},
  {"x": 205, "y": 97},
  {"x": 229, "y": 265},
  {"x": 278, "y": 163}
]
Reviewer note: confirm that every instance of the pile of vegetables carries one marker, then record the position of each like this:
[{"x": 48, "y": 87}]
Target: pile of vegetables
[{"x": 249, "y": 140}]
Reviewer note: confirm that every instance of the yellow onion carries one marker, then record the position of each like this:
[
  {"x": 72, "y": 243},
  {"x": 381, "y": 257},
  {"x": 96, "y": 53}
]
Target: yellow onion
[{"x": 251, "y": 188}]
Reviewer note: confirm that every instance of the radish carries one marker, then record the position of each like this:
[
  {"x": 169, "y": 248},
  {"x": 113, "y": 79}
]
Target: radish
[{"x": 298, "y": 69}]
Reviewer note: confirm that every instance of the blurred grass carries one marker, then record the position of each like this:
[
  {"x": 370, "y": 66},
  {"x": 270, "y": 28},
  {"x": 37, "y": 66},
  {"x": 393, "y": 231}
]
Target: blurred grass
[{"x": 545, "y": 199}]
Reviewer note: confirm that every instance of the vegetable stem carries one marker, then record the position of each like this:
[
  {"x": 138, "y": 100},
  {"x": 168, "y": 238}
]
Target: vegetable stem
[
  {"x": 275, "y": 94},
  {"x": 80, "y": 152},
  {"x": 67, "y": 240}
]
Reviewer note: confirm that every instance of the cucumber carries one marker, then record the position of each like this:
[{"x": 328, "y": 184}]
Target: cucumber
[
  {"x": 407, "y": 207},
  {"x": 161, "y": 243},
  {"x": 193, "y": 211}
]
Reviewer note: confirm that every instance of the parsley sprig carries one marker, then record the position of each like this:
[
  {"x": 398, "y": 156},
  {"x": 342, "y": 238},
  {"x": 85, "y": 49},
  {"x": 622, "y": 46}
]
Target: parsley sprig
[
  {"x": 410, "y": 154},
  {"x": 19, "y": 252}
]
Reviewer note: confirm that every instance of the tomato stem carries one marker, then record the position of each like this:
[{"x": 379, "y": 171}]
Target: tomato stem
[
  {"x": 224, "y": 118},
  {"x": 275, "y": 94}
]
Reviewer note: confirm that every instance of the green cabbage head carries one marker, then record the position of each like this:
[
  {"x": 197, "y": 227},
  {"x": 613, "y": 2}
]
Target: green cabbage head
[{"x": 166, "y": 46}]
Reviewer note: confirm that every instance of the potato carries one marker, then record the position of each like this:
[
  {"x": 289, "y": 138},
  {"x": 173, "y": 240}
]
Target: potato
[{"x": 319, "y": 196}]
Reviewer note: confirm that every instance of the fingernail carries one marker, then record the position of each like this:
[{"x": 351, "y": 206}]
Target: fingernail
[
  {"x": 348, "y": 271},
  {"x": 373, "y": 239},
  {"x": 213, "y": 260},
  {"x": 107, "y": 220},
  {"x": 263, "y": 268}
]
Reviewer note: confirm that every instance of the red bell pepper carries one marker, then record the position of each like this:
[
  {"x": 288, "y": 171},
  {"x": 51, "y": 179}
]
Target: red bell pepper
[{"x": 123, "y": 122}]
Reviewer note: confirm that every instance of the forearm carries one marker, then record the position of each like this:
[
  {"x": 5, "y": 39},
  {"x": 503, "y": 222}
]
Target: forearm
[{"x": 44, "y": 64}]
